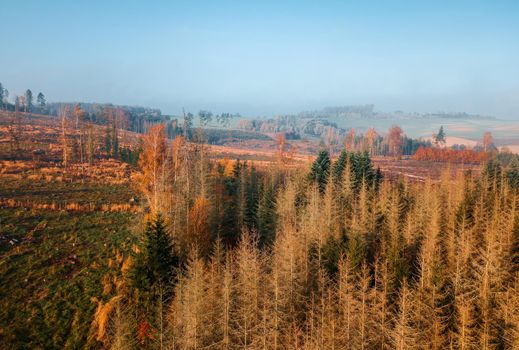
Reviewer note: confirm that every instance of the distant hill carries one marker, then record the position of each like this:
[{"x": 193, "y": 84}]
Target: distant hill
[
  {"x": 368, "y": 112},
  {"x": 353, "y": 111}
]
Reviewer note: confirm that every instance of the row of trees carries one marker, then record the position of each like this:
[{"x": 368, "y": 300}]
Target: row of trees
[
  {"x": 349, "y": 262},
  {"x": 83, "y": 142},
  {"x": 24, "y": 102},
  {"x": 137, "y": 119},
  {"x": 395, "y": 143},
  {"x": 466, "y": 156}
]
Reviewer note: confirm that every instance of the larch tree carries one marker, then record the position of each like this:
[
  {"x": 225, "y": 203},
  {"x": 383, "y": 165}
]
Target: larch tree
[
  {"x": 64, "y": 115},
  {"x": 152, "y": 162},
  {"x": 79, "y": 116},
  {"x": 371, "y": 136},
  {"x": 190, "y": 308},
  {"x": 403, "y": 333},
  {"x": 400, "y": 265},
  {"x": 246, "y": 314}
]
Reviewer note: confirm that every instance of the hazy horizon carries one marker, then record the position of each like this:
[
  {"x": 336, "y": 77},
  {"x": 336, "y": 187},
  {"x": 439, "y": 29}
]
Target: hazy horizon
[{"x": 265, "y": 58}]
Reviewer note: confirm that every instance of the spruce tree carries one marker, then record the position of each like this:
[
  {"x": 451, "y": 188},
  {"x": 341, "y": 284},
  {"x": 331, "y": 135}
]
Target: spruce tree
[
  {"x": 440, "y": 136},
  {"x": 320, "y": 170},
  {"x": 340, "y": 166},
  {"x": 267, "y": 215},
  {"x": 252, "y": 199},
  {"x": 153, "y": 271},
  {"x": 513, "y": 173},
  {"x": 492, "y": 172}
]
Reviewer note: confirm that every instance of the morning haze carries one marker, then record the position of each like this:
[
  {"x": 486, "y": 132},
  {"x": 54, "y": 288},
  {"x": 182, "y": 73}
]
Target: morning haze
[{"x": 268, "y": 57}]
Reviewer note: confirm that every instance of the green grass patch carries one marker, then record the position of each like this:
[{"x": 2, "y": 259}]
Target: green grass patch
[
  {"x": 51, "y": 265},
  {"x": 64, "y": 192}
]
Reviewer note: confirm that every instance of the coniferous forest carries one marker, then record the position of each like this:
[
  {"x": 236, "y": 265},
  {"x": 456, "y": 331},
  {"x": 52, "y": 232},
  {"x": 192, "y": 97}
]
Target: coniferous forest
[{"x": 327, "y": 256}]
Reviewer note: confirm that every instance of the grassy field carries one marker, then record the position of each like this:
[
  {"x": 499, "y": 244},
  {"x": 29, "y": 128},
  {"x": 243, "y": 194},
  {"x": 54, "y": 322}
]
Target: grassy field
[
  {"x": 51, "y": 266},
  {"x": 60, "y": 231}
]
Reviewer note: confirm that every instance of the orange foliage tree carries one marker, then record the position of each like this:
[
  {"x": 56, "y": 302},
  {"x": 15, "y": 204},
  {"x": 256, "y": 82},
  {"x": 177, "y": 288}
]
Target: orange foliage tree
[
  {"x": 281, "y": 144},
  {"x": 488, "y": 141},
  {"x": 371, "y": 135},
  {"x": 395, "y": 141},
  {"x": 349, "y": 142},
  {"x": 450, "y": 155},
  {"x": 152, "y": 163},
  {"x": 198, "y": 230}
]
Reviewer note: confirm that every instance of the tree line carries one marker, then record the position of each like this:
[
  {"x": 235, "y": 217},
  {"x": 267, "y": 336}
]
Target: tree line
[
  {"x": 83, "y": 142},
  {"x": 23, "y": 102}
]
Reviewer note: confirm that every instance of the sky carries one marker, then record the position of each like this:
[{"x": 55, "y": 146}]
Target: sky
[{"x": 266, "y": 57}]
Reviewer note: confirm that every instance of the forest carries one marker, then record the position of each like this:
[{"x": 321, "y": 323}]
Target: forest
[
  {"x": 120, "y": 240},
  {"x": 326, "y": 256}
]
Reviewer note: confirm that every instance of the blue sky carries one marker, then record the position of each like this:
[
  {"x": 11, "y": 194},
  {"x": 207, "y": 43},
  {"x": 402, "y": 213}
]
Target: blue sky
[{"x": 266, "y": 57}]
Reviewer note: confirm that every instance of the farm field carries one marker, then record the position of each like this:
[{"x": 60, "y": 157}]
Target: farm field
[{"x": 425, "y": 127}]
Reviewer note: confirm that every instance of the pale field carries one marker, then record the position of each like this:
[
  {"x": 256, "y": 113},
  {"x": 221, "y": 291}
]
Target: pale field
[
  {"x": 511, "y": 148},
  {"x": 466, "y": 128},
  {"x": 459, "y": 131},
  {"x": 453, "y": 140}
]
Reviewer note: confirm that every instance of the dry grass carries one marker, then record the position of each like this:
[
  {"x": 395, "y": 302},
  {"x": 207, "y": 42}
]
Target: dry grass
[
  {"x": 88, "y": 207},
  {"x": 105, "y": 171},
  {"x": 415, "y": 170}
]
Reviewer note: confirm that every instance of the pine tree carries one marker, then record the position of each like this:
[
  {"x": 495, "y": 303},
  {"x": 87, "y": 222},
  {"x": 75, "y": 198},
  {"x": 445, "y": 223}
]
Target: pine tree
[
  {"x": 28, "y": 100},
  {"x": 41, "y": 100},
  {"x": 252, "y": 199}
]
